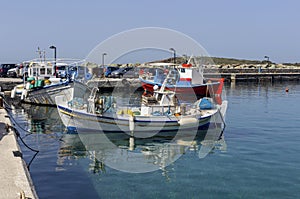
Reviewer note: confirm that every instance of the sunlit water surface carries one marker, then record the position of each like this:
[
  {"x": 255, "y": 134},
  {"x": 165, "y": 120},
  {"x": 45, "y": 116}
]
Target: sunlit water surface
[{"x": 258, "y": 157}]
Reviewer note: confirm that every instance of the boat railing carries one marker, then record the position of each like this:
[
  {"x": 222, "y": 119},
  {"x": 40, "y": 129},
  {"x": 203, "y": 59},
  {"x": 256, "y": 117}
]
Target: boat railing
[
  {"x": 58, "y": 60},
  {"x": 158, "y": 110},
  {"x": 147, "y": 100},
  {"x": 91, "y": 100},
  {"x": 147, "y": 76}
]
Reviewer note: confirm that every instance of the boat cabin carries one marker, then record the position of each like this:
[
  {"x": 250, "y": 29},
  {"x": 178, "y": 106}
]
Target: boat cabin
[
  {"x": 43, "y": 69},
  {"x": 189, "y": 74},
  {"x": 40, "y": 69},
  {"x": 180, "y": 74}
]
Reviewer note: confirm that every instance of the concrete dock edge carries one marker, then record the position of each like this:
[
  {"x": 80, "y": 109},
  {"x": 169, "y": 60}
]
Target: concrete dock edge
[{"x": 15, "y": 180}]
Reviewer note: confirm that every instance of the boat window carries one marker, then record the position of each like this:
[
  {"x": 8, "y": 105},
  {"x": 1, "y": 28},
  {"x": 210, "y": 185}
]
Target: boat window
[
  {"x": 34, "y": 72},
  {"x": 74, "y": 69},
  {"x": 182, "y": 70},
  {"x": 49, "y": 71},
  {"x": 42, "y": 71},
  {"x": 61, "y": 67},
  {"x": 159, "y": 96}
]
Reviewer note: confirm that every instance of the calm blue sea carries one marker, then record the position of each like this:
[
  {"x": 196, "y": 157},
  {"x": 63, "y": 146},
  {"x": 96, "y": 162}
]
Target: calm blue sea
[{"x": 257, "y": 158}]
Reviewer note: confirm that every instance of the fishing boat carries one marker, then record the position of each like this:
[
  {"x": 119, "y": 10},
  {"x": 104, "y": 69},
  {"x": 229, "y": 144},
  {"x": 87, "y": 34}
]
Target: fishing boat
[
  {"x": 159, "y": 112},
  {"x": 188, "y": 79},
  {"x": 41, "y": 84}
]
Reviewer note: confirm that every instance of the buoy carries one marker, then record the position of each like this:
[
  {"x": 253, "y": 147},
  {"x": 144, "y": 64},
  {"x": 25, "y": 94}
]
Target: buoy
[
  {"x": 131, "y": 123},
  {"x": 47, "y": 82},
  {"x": 24, "y": 94},
  {"x": 286, "y": 89},
  {"x": 188, "y": 121}
]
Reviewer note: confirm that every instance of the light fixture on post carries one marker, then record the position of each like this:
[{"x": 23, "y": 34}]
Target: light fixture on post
[
  {"x": 268, "y": 58},
  {"x": 172, "y": 49},
  {"x": 103, "y": 59},
  {"x": 53, "y": 47}
]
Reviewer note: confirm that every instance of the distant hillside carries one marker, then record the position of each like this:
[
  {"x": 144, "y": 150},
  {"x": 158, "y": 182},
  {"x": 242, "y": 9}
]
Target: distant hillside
[
  {"x": 216, "y": 60},
  {"x": 291, "y": 64},
  {"x": 231, "y": 61}
]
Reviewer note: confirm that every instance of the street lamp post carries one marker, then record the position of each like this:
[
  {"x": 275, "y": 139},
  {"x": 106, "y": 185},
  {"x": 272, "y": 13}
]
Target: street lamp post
[
  {"x": 53, "y": 47},
  {"x": 268, "y": 58},
  {"x": 172, "y": 49},
  {"x": 185, "y": 57},
  {"x": 103, "y": 59}
]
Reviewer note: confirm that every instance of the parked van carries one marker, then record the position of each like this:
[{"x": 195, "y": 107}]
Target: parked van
[{"x": 13, "y": 72}]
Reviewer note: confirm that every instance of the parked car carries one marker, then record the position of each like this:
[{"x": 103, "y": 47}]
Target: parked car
[
  {"x": 4, "y": 69},
  {"x": 109, "y": 69},
  {"x": 120, "y": 72}
]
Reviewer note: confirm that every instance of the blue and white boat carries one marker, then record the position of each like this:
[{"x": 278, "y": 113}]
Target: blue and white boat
[{"x": 157, "y": 113}]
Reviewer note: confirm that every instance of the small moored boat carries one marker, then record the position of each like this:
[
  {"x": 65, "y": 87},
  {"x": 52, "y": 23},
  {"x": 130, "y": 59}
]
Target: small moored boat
[
  {"x": 187, "y": 79},
  {"x": 41, "y": 84},
  {"x": 160, "y": 112}
]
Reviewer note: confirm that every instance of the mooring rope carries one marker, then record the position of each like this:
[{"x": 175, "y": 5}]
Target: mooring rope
[{"x": 16, "y": 131}]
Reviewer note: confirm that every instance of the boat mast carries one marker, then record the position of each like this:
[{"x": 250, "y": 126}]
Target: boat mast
[{"x": 163, "y": 86}]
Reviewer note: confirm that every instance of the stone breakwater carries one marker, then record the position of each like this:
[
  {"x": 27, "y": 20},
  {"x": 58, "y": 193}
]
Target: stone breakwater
[
  {"x": 254, "y": 71},
  {"x": 253, "y": 66}
]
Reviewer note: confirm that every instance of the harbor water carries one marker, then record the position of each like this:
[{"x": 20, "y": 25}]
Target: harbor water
[{"x": 258, "y": 156}]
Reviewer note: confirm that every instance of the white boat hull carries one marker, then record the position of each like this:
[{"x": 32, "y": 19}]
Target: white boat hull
[
  {"x": 112, "y": 122},
  {"x": 47, "y": 95}
]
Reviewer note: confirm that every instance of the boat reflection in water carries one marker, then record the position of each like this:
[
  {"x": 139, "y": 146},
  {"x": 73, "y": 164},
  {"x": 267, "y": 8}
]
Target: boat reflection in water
[
  {"x": 126, "y": 153},
  {"x": 120, "y": 151},
  {"x": 41, "y": 119}
]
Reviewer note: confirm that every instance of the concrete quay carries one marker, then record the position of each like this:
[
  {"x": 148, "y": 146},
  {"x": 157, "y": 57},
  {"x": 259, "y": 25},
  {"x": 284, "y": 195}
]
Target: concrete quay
[
  {"x": 8, "y": 84},
  {"x": 15, "y": 179}
]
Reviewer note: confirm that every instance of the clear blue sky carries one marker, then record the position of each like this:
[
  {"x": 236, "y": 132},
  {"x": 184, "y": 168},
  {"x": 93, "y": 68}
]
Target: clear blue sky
[{"x": 231, "y": 28}]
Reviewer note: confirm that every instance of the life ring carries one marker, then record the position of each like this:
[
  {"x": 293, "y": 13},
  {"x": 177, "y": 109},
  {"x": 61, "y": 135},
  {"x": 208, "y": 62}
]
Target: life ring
[{"x": 88, "y": 76}]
